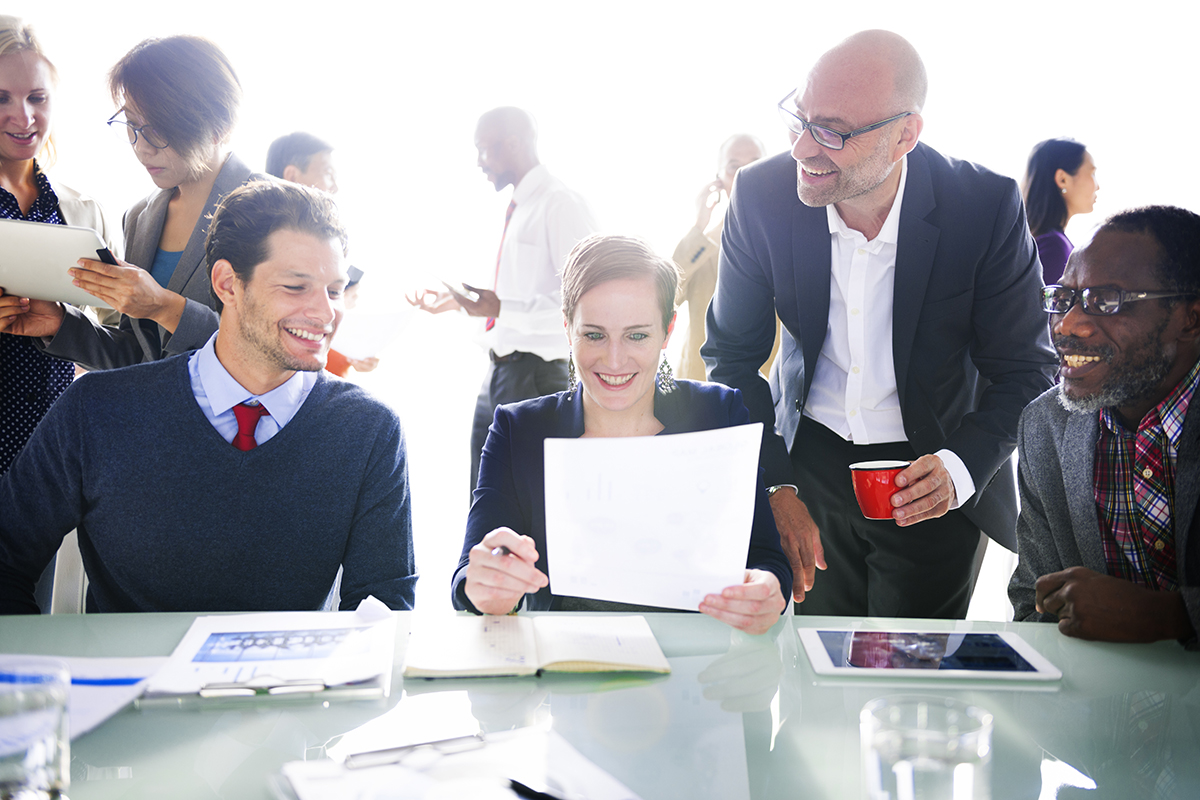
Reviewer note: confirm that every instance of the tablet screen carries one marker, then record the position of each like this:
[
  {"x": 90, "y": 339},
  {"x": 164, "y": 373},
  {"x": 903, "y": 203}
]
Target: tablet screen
[{"x": 980, "y": 652}]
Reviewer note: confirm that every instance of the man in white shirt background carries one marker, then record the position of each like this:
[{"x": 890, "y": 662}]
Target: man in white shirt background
[{"x": 521, "y": 315}]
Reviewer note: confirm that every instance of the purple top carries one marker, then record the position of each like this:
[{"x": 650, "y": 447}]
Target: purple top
[{"x": 1053, "y": 249}]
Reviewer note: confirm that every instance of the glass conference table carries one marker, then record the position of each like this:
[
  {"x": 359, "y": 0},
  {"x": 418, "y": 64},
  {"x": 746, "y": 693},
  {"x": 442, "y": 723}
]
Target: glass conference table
[{"x": 738, "y": 717}]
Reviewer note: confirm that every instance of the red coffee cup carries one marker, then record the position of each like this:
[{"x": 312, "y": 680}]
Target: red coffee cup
[{"x": 874, "y": 485}]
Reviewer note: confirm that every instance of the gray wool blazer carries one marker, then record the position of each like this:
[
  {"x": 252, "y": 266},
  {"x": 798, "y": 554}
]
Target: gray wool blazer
[
  {"x": 98, "y": 346},
  {"x": 1058, "y": 527}
]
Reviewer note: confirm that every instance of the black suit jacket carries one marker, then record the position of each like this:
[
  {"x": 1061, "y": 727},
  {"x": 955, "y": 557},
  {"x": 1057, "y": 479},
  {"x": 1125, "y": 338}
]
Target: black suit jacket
[{"x": 969, "y": 340}]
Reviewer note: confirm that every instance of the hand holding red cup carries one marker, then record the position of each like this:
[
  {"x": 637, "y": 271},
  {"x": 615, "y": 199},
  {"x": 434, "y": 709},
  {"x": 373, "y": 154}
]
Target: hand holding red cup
[{"x": 874, "y": 485}]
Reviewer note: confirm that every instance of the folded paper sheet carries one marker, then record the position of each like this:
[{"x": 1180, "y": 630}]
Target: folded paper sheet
[
  {"x": 653, "y": 520},
  {"x": 537, "y": 758}
]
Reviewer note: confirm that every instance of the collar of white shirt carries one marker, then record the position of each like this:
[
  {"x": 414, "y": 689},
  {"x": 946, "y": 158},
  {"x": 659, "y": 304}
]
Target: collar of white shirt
[
  {"x": 217, "y": 392},
  {"x": 530, "y": 183},
  {"x": 890, "y": 232}
]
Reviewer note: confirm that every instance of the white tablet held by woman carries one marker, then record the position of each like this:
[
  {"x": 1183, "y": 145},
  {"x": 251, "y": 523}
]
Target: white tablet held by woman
[{"x": 35, "y": 257}]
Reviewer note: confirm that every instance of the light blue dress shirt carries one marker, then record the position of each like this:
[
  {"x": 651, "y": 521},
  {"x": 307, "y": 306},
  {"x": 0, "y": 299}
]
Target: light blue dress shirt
[{"x": 217, "y": 392}]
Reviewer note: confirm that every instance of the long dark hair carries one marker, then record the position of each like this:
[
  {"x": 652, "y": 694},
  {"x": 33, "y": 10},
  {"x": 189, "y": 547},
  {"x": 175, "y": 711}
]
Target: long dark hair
[{"x": 1044, "y": 204}]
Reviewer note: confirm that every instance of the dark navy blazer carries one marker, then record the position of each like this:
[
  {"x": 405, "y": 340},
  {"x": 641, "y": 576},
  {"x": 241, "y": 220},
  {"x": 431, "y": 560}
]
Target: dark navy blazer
[{"x": 511, "y": 490}]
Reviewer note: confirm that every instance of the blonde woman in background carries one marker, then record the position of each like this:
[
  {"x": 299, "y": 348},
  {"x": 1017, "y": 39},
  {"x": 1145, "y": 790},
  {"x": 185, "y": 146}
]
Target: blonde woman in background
[
  {"x": 30, "y": 381},
  {"x": 696, "y": 254}
]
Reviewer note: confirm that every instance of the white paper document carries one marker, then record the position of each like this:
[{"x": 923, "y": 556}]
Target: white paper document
[
  {"x": 653, "y": 520},
  {"x": 282, "y": 651},
  {"x": 364, "y": 335}
]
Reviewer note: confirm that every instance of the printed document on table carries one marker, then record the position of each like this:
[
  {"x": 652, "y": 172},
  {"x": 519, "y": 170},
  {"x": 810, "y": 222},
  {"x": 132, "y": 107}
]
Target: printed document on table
[
  {"x": 271, "y": 650},
  {"x": 653, "y": 520}
]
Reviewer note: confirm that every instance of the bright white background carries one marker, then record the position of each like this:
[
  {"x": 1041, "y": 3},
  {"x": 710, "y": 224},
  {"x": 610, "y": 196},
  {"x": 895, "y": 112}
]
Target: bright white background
[{"x": 632, "y": 99}]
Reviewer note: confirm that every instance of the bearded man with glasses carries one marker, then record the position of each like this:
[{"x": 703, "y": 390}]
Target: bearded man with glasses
[
  {"x": 1110, "y": 458},
  {"x": 908, "y": 287}
]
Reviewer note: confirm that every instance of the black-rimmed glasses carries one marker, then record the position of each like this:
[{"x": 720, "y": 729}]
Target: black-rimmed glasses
[
  {"x": 1097, "y": 301},
  {"x": 151, "y": 136},
  {"x": 826, "y": 137}
]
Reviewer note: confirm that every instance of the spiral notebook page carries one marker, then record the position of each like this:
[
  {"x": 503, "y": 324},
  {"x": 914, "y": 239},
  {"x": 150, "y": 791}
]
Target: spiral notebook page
[
  {"x": 473, "y": 646},
  {"x": 600, "y": 640}
]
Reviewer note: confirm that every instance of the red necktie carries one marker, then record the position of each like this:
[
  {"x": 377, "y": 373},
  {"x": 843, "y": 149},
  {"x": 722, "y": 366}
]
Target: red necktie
[
  {"x": 247, "y": 419},
  {"x": 491, "y": 321}
]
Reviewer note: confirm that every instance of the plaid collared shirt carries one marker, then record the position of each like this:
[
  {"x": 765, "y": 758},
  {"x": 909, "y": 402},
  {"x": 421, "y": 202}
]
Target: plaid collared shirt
[{"x": 1134, "y": 481}]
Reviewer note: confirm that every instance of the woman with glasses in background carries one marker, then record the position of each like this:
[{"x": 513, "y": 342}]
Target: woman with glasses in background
[
  {"x": 177, "y": 104},
  {"x": 1060, "y": 182}
]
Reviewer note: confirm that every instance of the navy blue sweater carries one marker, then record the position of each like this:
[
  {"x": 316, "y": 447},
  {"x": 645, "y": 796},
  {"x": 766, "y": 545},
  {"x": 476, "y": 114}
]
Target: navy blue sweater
[{"x": 171, "y": 517}]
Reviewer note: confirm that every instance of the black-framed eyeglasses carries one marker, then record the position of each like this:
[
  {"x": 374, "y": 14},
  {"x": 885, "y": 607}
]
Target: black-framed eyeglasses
[
  {"x": 1094, "y": 300},
  {"x": 151, "y": 136},
  {"x": 826, "y": 137}
]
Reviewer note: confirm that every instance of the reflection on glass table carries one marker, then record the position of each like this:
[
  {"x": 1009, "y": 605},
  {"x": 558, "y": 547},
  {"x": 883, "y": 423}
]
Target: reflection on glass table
[{"x": 738, "y": 716}]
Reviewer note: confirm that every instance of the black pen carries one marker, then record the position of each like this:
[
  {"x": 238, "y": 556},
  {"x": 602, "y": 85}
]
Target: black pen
[
  {"x": 521, "y": 790},
  {"x": 501, "y": 551}
]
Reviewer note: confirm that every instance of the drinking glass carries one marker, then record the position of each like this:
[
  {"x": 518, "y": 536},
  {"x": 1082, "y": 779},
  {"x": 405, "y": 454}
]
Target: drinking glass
[
  {"x": 34, "y": 740},
  {"x": 920, "y": 747}
]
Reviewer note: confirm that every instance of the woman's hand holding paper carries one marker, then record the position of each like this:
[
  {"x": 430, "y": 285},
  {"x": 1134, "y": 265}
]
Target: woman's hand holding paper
[{"x": 754, "y": 606}]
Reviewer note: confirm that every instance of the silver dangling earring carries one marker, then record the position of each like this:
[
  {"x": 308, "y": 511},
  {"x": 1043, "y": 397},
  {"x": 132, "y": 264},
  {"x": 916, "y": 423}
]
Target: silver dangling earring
[
  {"x": 572, "y": 380},
  {"x": 666, "y": 379}
]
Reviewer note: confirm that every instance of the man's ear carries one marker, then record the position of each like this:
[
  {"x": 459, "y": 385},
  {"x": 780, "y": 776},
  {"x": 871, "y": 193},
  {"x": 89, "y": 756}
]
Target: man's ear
[
  {"x": 1191, "y": 321},
  {"x": 223, "y": 280},
  {"x": 910, "y": 132},
  {"x": 292, "y": 173}
]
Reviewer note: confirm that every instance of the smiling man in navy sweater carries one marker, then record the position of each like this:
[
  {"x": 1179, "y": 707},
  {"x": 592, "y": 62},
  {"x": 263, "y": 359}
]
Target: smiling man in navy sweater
[{"x": 236, "y": 477}]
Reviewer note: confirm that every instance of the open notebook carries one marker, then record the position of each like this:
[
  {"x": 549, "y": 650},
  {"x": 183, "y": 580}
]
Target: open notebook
[{"x": 491, "y": 646}]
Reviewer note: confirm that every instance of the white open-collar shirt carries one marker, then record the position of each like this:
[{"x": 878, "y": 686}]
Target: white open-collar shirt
[
  {"x": 853, "y": 391},
  {"x": 548, "y": 221}
]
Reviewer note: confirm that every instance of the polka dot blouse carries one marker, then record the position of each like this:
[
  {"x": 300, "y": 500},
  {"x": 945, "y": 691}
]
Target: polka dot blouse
[{"x": 29, "y": 380}]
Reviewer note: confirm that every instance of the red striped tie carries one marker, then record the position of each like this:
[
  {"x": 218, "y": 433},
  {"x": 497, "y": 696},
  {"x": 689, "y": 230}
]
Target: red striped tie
[
  {"x": 247, "y": 419},
  {"x": 491, "y": 321}
]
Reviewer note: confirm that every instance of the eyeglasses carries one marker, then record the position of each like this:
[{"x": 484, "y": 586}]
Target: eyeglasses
[
  {"x": 151, "y": 136},
  {"x": 826, "y": 137},
  {"x": 1099, "y": 302}
]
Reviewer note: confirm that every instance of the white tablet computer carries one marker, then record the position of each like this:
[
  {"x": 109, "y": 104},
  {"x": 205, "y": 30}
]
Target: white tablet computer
[
  {"x": 35, "y": 257},
  {"x": 925, "y": 654}
]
